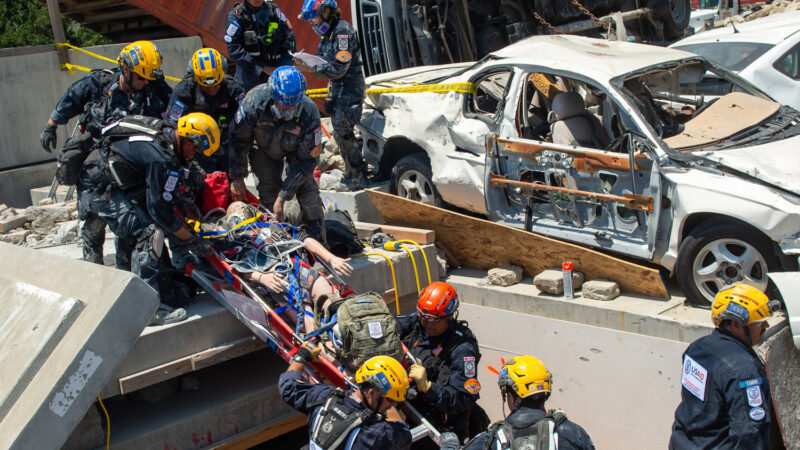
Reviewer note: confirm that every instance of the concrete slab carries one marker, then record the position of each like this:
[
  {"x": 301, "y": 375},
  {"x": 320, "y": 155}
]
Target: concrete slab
[
  {"x": 356, "y": 203},
  {"x": 97, "y": 313}
]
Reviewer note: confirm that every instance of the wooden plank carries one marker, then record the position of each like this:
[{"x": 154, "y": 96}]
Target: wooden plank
[
  {"x": 253, "y": 437},
  {"x": 58, "y": 30},
  {"x": 366, "y": 230},
  {"x": 189, "y": 364},
  {"x": 418, "y": 235},
  {"x": 481, "y": 244}
]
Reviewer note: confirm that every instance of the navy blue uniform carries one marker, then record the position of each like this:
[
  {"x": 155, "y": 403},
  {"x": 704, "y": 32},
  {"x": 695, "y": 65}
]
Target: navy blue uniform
[
  {"x": 188, "y": 97},
  {"x": 382, "y": 434},
  {"x": 99, "y": 96},
  {"x": 451, "y": 362},
  {"x": 725, "y": 400},
  {"x": 296, "y": 141},
  {"x": 340, "y": 48},
  {"x": 257, "y": 39},
  {"x": 571, "y": 436}
]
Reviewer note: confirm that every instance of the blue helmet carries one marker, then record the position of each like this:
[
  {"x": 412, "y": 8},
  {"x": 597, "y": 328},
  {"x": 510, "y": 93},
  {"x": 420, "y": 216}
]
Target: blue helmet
[
  {"x": 311, "y": 8},
  {"x": 288, "y": 86}
]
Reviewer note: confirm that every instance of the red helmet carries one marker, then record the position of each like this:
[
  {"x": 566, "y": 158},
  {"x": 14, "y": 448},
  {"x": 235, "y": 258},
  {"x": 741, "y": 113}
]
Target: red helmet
[{"x": 437, "y": 301}]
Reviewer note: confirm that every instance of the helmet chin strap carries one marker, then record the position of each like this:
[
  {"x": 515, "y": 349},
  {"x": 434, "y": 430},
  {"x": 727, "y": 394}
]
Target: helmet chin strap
[{"x": 749, "y": 336}]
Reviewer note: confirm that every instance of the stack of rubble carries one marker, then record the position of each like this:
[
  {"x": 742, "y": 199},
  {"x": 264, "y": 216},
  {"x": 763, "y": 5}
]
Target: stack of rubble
[
  {"x": 43, "y": 225},
  {"x": 775, "y": 7}
]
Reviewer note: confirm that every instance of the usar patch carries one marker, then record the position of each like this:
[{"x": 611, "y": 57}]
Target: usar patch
[
  {"x": 469, "y": 366},
  {"x": 172, "y": 181},
  {"x": 754, "y": 397},
  {"x": 344, "y": 56},
  {"x": 342, "y": 41},
  {"x": 472, "y": 386}
]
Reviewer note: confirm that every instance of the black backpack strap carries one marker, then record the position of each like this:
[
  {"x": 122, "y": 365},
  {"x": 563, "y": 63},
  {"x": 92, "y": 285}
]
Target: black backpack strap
[{"x": 492, "y": 430}]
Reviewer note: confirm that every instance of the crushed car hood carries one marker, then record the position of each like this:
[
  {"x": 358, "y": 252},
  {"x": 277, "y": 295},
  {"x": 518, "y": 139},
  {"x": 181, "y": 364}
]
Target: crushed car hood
[{"x": 776, "y": 162}]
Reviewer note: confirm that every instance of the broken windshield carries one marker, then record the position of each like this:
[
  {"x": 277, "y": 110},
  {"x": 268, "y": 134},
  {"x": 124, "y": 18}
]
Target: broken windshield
[{"x": 694, "y": 104}]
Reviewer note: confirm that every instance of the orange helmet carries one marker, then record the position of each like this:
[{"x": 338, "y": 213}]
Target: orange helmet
[{"x": 437, "y": 301}]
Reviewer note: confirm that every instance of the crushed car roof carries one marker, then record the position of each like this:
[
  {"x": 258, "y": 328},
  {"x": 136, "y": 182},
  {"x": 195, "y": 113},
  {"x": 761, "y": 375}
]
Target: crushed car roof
[
  {"x": 595, "y": 58},
  {"x": 768, "y": 30}
]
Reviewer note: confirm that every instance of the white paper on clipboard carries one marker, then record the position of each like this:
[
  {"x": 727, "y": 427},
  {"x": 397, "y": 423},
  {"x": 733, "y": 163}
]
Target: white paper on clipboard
[{"x": 307, "y": 58}]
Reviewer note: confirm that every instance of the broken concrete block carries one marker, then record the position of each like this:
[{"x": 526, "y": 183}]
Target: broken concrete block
[
  {"x": 15, "y": 237},
  {"x": 44, "y": 218},
  {"x": 332, "y": 181},
  {"x": 551, "y": 281},
  {"x": 13, "y": 222},
  {"x": 600, "y": 289},
  {"x": 505, "y": 275},
  {"x": 3, "y": 207},
  {"x": 46, "y": 201},
  {"x": 32, "y": 239},
  {"x": 67, "y": 232}
]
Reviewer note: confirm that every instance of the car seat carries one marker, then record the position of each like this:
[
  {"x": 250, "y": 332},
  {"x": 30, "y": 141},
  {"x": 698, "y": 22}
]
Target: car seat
[{"x": 572, "y": 124}]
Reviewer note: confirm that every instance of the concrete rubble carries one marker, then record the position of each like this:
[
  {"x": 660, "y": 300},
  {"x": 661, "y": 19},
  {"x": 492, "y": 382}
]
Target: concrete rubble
[
  {"x": 42, "y": 225},
  {"x": 600, "y": 290},
  {"x": 505, "y": 275},
  {"x": 552, "y": 281}
]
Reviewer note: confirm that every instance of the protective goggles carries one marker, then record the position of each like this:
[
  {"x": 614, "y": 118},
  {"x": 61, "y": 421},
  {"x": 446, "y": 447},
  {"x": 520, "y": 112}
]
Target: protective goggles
[
  {"x": 210, "y": 81},
  {"x": 285, "y": 113},
  {"x": 425, "y": 317},
  {"x": 201, "y": 143}
]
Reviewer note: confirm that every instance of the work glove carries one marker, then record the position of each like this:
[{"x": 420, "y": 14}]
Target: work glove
[
  {"x": 306, "y": 354},
  {"x": 420, "y": 377},
  {"x": 449, "y": 441},
  {"x": 48, "y": 138},
  {"x": 199, "y": 246}
]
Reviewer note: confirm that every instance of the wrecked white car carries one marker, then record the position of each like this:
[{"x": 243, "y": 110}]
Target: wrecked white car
[{"x": 613, "y": 145}]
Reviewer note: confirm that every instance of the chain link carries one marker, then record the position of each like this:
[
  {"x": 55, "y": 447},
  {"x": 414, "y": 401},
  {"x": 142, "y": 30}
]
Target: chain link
[
  {"x": 545, "y": 23},
  {"x": 588, "y": 13}
]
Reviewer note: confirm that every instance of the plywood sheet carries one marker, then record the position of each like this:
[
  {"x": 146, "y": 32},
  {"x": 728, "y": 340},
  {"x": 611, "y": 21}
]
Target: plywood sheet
[
  {"x": 726, "y": 117},
  {"x": 481, "y": 244}
]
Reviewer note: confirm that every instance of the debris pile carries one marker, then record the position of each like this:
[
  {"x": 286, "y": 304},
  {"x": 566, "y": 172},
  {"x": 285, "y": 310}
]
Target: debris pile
[
  {"x": 775, "y": 7},
  {"x": 43, "y": 225}
]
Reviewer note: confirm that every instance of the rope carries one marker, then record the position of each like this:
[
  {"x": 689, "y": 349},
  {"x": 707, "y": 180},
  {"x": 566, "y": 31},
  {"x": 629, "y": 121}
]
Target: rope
[{"x": 71, "y": 67}]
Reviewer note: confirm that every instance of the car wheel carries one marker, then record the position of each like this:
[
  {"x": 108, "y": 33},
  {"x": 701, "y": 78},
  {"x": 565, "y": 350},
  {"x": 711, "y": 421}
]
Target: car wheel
[
  {"x": 678, "y": 18},
  {"x": 719, "y": 254},
  {"x": 411, "y": 179}
]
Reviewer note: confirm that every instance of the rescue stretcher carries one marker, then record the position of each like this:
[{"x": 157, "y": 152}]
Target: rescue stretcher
[{"x": 267, "y": 323}]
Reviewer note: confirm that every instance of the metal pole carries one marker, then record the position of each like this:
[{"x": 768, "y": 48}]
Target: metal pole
[{"x": 58, "y": 31}]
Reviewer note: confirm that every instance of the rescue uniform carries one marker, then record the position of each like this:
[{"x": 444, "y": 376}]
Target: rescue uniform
[
  {"x": 257, "y": 39},
  {"x": 188, "y": 97},
  {"x": 309, "y": 399},
  {"x": 140, "y": 200},
  {"x": 451, "y": 361},
  {"x": 725, "y": 400},
  {"x": 340, "y": 48},
  {"x": 98, "y": 96},
  {"x": 523, "y": 422},
  {"x": 296, "y": 141}
]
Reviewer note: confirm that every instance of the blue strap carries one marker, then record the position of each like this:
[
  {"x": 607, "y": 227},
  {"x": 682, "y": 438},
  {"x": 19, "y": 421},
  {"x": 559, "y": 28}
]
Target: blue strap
[
  {"x": 320, "y": 330},
  {"x": 351, "y": 439},
  {"x": 281, "y": 309}
]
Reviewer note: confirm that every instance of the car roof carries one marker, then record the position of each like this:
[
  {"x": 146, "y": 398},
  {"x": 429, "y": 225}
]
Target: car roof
[
  {"x": 767, "y": 30},
  {"x": 595, "y": 58}
]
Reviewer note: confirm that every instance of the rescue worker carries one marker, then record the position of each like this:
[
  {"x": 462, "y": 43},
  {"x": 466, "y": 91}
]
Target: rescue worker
[
  {"x": 137, "y": 86},
  {"x": 525, "y": 384},
  {"x": 725, "y": 400},
  {"x": 142, "y": 173},
  {"x": 363, "y": 418},
  {"x": 259, "y": 39},
  {"x": 447, "y": 353},
  {"x": 340, "y": 49},
  {"x": 206, "y": 88},
  {"x": 285, "y": 125}
]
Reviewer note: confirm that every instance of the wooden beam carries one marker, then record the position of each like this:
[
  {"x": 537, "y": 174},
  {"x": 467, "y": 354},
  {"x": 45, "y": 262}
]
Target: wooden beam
[
  {"x": 189, "y": 364},
  {"x": 58, "y": 31},
  {"x": 481, "y": 244},
  {"x": 92, "y": 6},
  {"x": 254, "y": 436},
  {"x": 421, "y": 236}
]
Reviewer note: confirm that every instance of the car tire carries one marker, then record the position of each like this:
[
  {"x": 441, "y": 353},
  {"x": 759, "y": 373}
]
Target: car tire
[
  {"x": 412, "y": 179},
  {"x": 677, "y": 18},
  {"x": 720, "y": 253}
]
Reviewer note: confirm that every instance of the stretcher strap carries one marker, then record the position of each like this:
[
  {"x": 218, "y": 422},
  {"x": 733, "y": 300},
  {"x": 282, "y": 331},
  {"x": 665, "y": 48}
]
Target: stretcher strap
[{"x": 321, "y": 330}]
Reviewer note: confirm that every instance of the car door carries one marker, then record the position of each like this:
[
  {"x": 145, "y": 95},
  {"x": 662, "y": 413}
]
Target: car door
[{"x": 603, "y": 198}]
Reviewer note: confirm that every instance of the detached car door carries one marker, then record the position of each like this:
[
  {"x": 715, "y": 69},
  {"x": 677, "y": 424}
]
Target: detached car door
[{"x": 605, "y": 199}]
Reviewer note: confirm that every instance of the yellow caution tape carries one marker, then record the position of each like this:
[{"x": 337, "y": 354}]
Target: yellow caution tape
[
  {"x": 70, "y": 67},
  {"x": 469, "y": 88}
]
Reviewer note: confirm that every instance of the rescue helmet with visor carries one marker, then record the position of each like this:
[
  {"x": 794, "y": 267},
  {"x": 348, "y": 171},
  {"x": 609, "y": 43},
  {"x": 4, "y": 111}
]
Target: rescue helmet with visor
[
  {"x": 436, "y": 302},
  {"x": 288, "y": 86},
  {"x": 743, "y": 303},
  {"x": 525, "y": 375},
  {"x": 386, "y": 375},
  {"x": 202, "y": 130},
  {"x": 208, "y": 67},
  {"x": 143, "y": 59}
]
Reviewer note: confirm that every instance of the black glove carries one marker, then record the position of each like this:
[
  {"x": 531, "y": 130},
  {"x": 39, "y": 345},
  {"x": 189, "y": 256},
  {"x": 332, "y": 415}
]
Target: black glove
[
  {"x": 48, "y": 138},
  {"x": 449, "y": 441},
  {"x": 199, "y": 246}
]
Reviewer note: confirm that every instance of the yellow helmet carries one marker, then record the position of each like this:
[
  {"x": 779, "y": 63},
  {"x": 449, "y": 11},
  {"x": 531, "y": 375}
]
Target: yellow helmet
[
  {"x": 208, "y": 67},
  {"x": 202, "y": 130},
  {"x": 525, "y": 375},
  {"x": 386, "y": 375},
  {"x": 143, "y": 58},
  {"x": 742, "y": 303}
]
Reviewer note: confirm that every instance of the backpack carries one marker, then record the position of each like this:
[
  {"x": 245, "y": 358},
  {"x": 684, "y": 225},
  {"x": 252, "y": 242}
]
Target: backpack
[
  {"x": 70, "y": 158},
  {"x": 367, "y": 328},
  {"x": 340, "y": 234},
  {"x": 136, "y": 126},
  {"x": 539, "y": 436}
]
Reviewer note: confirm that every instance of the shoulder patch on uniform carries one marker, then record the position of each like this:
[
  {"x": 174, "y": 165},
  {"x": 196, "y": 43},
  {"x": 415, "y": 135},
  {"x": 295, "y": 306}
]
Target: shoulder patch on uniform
[
  {"x": 694, "y": 377},
  {"x": 232, "y": 28},
  {"x": 757, "y": 414},
  {"x": 315, "y": 152},
  {"x": 754, "y": 397},
  {"x": 167, "y": 196},
  {"x": 469, "y": 366},
  {"x": 172, "y": 181},
  {"x": 317, "y": 136},
  {"x": 472, "y": 386},
  {"x": 344, "y": 56},
  {"x": 342, "y": 40},
  {"x": 140, "y": 139},
  {"x": 227, "y": 39}
]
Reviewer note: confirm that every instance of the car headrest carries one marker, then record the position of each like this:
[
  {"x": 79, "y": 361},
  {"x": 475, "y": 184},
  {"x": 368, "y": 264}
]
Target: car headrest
[
  {"x": 566, "y": 105},
  {"x": 691, "y": 73}
]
